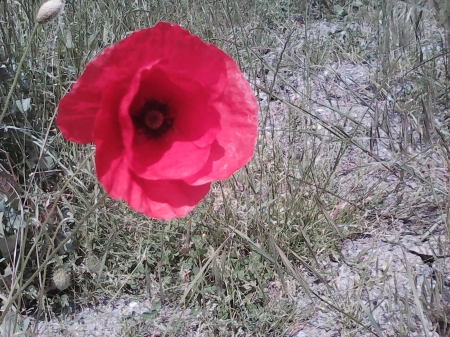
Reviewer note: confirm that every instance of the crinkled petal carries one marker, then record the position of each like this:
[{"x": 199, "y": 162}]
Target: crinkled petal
[
  {"x": 77, "y": 110},
  {"x": 162, "y": 199},
  {"x": 236, "y": 140},
  {"x": 184, "y": 149},
  {"x": 213, "y": 134},
  {"x": 180, "y": 50}
]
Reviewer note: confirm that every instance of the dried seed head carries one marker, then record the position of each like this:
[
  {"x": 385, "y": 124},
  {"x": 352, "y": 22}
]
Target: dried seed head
[
  {"x": 49, "y": 10},
  {"x": 61, "y": 279},
  {"x": 93, "y": 264}
]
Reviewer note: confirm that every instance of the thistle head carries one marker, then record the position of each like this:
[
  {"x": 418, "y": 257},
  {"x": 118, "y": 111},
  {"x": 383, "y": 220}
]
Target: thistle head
[{"x": 61, "y": 279}]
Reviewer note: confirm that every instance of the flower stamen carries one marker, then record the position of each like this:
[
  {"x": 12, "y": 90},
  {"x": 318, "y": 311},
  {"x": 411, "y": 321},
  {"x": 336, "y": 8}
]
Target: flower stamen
[{"x": 154, "y": 119}]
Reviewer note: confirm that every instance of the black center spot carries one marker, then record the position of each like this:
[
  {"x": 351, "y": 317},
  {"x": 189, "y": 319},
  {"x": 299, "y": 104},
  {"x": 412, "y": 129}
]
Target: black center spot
[{"x": 154, "y": 119}]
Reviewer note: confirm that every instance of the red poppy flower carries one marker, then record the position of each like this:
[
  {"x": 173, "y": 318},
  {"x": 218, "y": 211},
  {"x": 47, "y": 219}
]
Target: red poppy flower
[{"x": 168, "y": 114}]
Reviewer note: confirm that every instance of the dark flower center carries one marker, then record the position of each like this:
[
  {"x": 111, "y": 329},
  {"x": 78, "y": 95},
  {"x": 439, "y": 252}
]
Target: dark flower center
[{"x": 153, "y": 119}]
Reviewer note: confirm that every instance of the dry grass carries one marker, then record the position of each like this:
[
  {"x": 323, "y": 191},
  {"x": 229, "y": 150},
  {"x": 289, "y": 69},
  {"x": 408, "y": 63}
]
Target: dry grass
[{"x": 329, "y": 230}]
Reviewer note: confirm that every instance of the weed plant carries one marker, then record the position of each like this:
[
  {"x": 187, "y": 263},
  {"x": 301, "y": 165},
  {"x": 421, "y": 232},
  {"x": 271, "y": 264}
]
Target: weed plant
[{"x": 353, "y": 145}]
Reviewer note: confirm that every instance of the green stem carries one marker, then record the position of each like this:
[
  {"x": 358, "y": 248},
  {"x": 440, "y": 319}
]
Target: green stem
[{"x": 16, "y": 78}]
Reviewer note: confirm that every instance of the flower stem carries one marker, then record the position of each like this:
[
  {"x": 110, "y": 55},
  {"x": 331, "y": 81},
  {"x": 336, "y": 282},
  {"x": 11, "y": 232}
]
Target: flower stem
[{"x": 16, "y": 77}]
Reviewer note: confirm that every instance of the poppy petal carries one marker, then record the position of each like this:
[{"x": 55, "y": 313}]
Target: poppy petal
[
  {"x": 184, "y": 149},
  {"x": 163, "y": 199},
  {"x": 168, "y": 114},
  {"x": 236, "y": 140}
]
